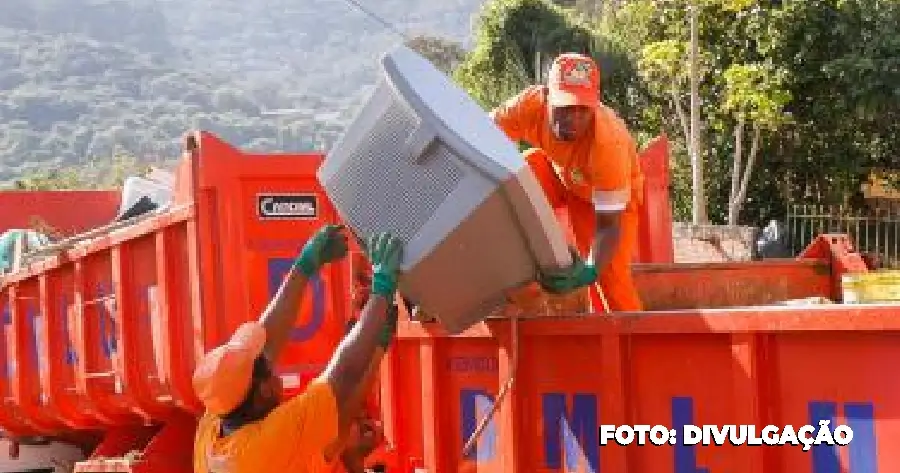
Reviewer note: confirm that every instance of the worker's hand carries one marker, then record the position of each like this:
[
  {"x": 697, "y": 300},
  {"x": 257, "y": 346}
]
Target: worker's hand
[
  {"x": 384, "y": 252},
  {"x": 366, "y": 436},
  {"x": 326, "y": 245},
  {"x": 578, "y": 275}
]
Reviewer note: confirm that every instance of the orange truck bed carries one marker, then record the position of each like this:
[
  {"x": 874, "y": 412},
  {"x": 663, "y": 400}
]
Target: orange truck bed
[
  {"x": 101, "y": 339},
  {"x": 103, "y": 335}
]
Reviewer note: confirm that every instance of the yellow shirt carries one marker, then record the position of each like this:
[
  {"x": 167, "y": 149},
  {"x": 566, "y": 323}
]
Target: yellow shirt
[{"x": 292, "y": 438}]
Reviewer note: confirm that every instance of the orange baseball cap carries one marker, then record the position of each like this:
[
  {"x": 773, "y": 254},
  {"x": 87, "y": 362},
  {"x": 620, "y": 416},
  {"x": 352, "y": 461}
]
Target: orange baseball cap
[
  {"x": 223, "y": 376},
  {"x": 574, "y": 80}
]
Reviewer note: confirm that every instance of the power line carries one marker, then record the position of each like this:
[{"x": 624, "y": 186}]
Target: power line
[{"x": 388, "y": 25}]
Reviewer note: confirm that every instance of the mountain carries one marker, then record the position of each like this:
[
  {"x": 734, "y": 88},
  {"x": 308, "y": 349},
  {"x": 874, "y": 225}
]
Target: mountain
[{"x": 82, "y": 80}]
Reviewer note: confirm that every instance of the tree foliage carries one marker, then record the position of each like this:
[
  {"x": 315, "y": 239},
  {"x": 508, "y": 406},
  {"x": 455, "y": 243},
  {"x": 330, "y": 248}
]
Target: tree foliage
[
  {"x": 799, "y": 99},
  {"x": 81, "y": 79},
  {"x": 95, "y": 175},
  {"x": 444, "y": 53},
  {"x": 844, "y": 62},
  {"x": 786, "y": 69},
  {"x": 516, "y": 40}
]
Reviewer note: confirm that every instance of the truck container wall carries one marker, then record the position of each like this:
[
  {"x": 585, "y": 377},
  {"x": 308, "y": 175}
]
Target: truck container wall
[
  {"x": 731, "y": 284},
  {"x": 30, "y": 209},
  {"x": 765, "y": 366},
  {"x": 105, "y": 333}
]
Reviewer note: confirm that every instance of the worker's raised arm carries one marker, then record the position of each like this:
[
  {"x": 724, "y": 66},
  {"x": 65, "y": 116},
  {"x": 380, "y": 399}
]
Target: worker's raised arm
[
  {"x": 347, "y": 368},
  {"x": 326, "y": 245},
  {"x": 520, "y": 116},
  {"x": 610, "y": 168},
  {"x": 356, "y": 401}
]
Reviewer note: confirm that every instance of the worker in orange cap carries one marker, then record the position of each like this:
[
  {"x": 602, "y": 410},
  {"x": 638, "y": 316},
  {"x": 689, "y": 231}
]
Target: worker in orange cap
[
  {"x": 246, "y": 426},
  {"x": 586, "y": 162}
]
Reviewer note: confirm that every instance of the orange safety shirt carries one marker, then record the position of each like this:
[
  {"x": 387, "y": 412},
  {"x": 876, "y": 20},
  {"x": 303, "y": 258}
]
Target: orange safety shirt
[
  {"x": 601, "y": 167},
  {"x": 292, "y": 438}
]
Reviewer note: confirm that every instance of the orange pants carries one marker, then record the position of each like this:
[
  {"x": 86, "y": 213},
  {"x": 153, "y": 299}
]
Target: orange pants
[{"x": 615, "y": 280}]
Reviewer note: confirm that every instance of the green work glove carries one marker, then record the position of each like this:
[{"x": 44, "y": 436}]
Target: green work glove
[
  {"x": 578, "y": 275},
  {"x": 326, "y": 245},
  {"x": 384, "y": 252}
]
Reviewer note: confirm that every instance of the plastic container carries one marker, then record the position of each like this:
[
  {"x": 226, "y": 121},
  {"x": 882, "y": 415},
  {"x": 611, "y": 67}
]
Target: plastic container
[
  {"x": 882, "y": 286},
  {"x": 424, "y": 161},
  {"x": 141, "y": 195}
]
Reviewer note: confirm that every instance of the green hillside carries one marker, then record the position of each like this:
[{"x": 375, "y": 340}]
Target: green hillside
[{"x": 81, "y": 80}]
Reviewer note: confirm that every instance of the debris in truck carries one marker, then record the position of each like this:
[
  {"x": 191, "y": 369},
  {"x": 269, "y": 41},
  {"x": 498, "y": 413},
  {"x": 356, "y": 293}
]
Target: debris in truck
[
  {"x": 141, "y": 195},
  {"x": 815, "y": 300},
  {"x": 772, "y": 241},
  {"x": 15, "y": 244}
]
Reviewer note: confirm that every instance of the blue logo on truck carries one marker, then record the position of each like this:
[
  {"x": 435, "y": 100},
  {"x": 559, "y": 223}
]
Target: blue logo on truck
[
  {"x": 278, "y": 268},
  {"x": 575, "y": 433},
  {"x": 71, "y": 357},
  {"x": 7, "y": 322},
  {"x": 860, "y": 418},
  {"x": 106, "y": 320},
  {"x": 474, "y": 405}
]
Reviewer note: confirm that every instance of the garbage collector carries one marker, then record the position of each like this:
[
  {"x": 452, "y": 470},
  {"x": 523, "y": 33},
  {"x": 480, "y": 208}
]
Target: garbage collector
[
  {"x": 586, "y": 162},
  {"x": 246, "y": 427}
]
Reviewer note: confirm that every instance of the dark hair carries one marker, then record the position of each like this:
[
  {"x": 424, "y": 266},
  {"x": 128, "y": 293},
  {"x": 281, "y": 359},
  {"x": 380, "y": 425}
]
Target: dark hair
[{"x": 244, "y": 412}]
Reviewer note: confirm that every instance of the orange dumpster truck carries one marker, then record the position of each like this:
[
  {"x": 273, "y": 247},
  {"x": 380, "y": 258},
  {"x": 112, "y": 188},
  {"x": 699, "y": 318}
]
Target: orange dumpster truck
[{"x": 103, "y": 328}]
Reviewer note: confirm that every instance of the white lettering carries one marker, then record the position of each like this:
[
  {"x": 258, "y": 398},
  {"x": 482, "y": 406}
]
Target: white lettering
[
  {"x": 719, "y": 436},
  {"x": 843, "y": 434},
  {"x": 659, "y": 435},
  {"x": 692, "y": 435},
  {"x": 270, "y": 208},
  {"x": 753, "y": 438},
  {"x": 770, "y": 435},
  {"x": 607, "y": 433},
  {"x": 624, "y": 435},
  {"x": 642, "y": 430}
]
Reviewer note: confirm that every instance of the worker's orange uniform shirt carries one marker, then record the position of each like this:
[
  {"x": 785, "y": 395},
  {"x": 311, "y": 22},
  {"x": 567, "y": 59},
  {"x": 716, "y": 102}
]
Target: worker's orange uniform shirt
[
  {"x": 602, "y": 168},
  {"x": 292, "y": 438},
  {"x": 597, "y": 173}
]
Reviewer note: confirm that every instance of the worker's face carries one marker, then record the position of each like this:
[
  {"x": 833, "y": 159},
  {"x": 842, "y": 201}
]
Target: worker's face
[
  {"x": 571, "y": 122},
  {"x": 268, "y": 396},
  {"x": 270, "y": 392}
]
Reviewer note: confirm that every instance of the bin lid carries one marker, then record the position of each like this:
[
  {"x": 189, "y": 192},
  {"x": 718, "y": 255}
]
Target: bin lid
[{"x": 451, "y": 113}]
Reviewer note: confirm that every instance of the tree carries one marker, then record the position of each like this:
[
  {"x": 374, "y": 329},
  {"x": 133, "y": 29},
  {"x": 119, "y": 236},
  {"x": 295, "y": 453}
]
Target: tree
[
  {"x": 699, "y": 186},
  {"x": 95, "y": 175},
  {"x": 819, "y": 78},
  {"x": 515, "y": 42},
  {"x": 54, "y": 179},
  {"x": 843, "y": 59},
  {"x": 755, "y": 97},
  {"x": 662, "y": 65},
  {"x": 444, "y": 53}
]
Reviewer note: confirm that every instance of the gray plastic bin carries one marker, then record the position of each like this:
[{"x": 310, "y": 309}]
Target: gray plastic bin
[{"x": 425, "y": 162}]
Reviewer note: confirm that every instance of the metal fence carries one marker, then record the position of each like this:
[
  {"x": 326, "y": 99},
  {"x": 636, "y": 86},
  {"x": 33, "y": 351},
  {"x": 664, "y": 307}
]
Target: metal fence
[{"x": 875, "y": 231}]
